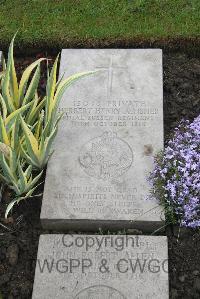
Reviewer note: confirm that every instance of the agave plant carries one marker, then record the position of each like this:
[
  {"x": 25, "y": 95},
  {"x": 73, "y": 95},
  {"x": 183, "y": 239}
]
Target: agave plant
[
  {"x": 36, "y": 147},
  {"x": 28, "y": 124},
  {"x": 16, "y": 96},
  {"x": 16, "y": 175},
  {"x": 17, "y": 99}
]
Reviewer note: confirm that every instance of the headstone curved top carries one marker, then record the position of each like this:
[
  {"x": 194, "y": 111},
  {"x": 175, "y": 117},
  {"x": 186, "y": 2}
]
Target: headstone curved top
[{"x": 111, "y": 128}]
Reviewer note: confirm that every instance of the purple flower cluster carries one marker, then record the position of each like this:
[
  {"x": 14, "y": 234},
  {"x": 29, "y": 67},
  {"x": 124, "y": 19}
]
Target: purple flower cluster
[{"x": 176, "y": 176}]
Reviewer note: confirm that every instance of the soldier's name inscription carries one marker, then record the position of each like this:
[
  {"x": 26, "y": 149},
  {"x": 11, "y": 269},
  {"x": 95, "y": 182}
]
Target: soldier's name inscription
[{"x": 125, "y": 113}]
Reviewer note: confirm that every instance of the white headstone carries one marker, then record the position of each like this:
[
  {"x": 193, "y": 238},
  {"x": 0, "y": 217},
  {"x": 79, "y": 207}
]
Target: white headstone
[
  {"x": 111, "y": 128},
  {"x": 101, "y": 267}
]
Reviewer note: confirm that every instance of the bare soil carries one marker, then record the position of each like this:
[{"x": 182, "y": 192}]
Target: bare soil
[{"x": 20, "y": 234}]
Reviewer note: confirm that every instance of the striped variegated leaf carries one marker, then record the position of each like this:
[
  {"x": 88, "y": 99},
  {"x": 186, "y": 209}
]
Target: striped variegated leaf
[
  {"x": 11, "y": 205},
  {"x": 3, "y": 107},
  {"x": 9, "y": 121},
  {"x": 13, "y": 162},
  {"x": 32, "y": 89},
  {"x": 11, "y": 177},
  {"x": 34, "y": 111},
  {"x": 4, "y": 137},
  {"x": 26, "y": 76},
  {"x": 51, "y": 88},
  {"x": 9, "y": 82},
  {"x": 45, "y": 149},
  {"x": 60, "y": 91},
  {"x": 15, "y": 139},
  {"x": 30, "y": 188},
  {"x": 30, "y": 159},
  {"x": 28, "y": 172},
  {"x": 31, "y": 142},
  {"x": 32, "y": 184}
]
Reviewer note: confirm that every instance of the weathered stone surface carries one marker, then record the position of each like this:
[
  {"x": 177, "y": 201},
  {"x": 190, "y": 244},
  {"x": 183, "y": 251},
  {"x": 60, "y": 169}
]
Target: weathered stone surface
[
  {"x": 101, "y": 267},
  {"x": 111, "y": 128}
]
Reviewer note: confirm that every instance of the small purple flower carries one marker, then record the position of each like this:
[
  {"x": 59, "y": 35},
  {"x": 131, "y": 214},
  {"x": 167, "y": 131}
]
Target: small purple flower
[{"x": 176, "y": 175}]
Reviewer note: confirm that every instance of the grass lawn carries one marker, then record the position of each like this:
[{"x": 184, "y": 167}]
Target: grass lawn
[{"x": 58, "y": 23}]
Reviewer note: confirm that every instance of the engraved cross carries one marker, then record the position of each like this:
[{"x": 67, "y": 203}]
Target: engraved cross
[{"x": 110, "y": 69}]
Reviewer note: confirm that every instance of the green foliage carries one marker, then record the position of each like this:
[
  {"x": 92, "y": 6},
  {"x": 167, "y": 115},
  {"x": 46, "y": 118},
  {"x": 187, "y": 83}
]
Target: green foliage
[
  {"x": 36, "y": 147},
  {"x": 28, "y": 125},
  {"x": 65, "y": 23},
  {"x": 16, "y": 175}
]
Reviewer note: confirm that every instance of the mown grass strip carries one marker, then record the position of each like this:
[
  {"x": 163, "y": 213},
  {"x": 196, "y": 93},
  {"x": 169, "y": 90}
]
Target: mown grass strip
[{"x": 59, "y": 22}]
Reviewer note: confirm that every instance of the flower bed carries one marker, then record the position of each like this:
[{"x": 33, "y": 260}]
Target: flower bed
[
  {"x": 20, "y": 239},
  {"x": 176, "y": 176}
]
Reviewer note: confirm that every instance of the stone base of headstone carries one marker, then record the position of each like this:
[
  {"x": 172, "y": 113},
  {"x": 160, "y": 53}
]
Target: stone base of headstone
[
  {"x": 101, "y": 267},
  {"x": 83, "y": 225}
]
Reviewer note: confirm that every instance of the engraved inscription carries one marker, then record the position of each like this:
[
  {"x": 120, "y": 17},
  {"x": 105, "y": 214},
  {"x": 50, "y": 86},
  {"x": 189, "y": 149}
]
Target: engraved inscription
[
  {"x": 110, "y": 70},
  {"x": 106, "y": 157},
  {"x": 100, "y": 292},
  {"x": 110, "y": 113}
]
